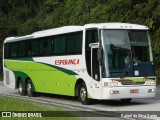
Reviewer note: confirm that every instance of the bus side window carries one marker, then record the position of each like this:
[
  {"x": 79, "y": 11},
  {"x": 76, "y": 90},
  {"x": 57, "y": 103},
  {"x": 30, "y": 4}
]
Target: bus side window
[
  {"x": 59, "y": 46},
  {"x": 45, "y": 46},
  {"x": 29, "y": 48},
  {"x": 21, "y": 49},
  {"x": 35, "y": 47},
  {"x": 48, "y": 46},
  {"x": 13, "y": 49},
  {"x": 74, "y": 43},
  {"x": 6, "y": 49}
]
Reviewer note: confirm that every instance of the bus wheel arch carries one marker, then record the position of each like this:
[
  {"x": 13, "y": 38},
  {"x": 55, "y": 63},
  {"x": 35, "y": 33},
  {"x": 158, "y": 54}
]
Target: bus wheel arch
[
  {"x": 77, "y": 86},
  {"x": 81, "y": 92}
]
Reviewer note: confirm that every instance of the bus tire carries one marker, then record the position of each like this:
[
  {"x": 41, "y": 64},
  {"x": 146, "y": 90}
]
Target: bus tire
[
  {"x": 29, "y": 88},
  {"x": 83, "y": 94},
  {"x": 128, "y": 100},
  {"x": 21, "y": 89}
]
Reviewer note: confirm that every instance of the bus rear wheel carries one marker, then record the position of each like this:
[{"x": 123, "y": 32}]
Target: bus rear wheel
[
  {"x": 29, "y": 88},
  {"x": 83, "y": 94},
  {"x": 21, "y": 89}
]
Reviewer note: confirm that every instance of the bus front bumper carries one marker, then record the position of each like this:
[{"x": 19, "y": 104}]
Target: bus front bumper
[{"x": 128, "y": 92}]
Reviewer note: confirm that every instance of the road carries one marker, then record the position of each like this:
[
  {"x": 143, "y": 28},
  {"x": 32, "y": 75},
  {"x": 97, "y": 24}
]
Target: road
[{"x": 150, "y": 104}]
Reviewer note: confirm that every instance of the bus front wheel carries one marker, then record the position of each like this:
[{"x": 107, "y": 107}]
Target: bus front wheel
[
  {"x": 29, "y": 88},
  {"x": 83, "y": 94}
]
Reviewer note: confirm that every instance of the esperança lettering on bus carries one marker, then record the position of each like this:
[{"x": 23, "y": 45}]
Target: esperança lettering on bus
[{"x": 67, "y": 62}]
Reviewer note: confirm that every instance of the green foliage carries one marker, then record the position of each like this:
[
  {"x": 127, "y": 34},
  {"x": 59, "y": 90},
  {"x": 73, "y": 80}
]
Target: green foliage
[{"x": 27, "y": 16}]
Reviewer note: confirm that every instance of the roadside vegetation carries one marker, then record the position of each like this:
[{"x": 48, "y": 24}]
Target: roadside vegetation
[{"x": 11, "y": 104}]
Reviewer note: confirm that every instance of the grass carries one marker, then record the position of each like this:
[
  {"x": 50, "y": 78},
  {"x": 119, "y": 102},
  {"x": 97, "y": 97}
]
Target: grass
[{"x": 11, "y": 104}]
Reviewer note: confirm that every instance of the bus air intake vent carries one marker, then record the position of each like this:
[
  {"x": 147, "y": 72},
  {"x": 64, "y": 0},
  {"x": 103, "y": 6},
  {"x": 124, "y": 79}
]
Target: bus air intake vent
[
  {"x": 130, "y": 82},
  {"x": 7, "y": 78}
]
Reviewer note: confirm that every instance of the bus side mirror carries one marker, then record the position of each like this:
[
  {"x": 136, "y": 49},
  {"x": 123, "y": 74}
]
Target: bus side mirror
[{"x": 99, "y": 55}]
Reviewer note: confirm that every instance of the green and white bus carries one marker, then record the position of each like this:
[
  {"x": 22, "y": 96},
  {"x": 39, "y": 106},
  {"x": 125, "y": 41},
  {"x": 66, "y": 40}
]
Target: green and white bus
[{"x": 95, "y": 61}]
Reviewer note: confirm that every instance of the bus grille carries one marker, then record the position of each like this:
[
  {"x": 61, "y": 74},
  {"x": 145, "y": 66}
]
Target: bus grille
[
  {"x": 130, "y": 82},
  {"x": 7, "y": 78}
]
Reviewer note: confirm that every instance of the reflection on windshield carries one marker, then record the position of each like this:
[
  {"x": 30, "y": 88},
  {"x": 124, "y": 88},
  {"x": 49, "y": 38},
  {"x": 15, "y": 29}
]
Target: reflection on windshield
[
  {"x": 140, "y": 45},
  {"x": 126, "y": 52},
  {"x": 117, "y": 52}
]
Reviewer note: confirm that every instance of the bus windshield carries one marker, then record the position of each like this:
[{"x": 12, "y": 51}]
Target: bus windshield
[{"x": 126, "y": 53}]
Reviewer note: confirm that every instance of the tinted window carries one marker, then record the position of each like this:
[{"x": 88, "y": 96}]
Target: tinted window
[
  {"x": 74, "y": 43},
  {"x": 45, "y": 46},
  {"x": 59, "y": 44},
  {"x": 13, "y": 49},
  {"x": 70, "y": 43},
  {"x": 91, "y": 37},
  {"x": 35, "y": 47},
  {"x": 79, "y": 42},
  {"x": 6, "y": 50},
  {"x": 21, "y": 49}
]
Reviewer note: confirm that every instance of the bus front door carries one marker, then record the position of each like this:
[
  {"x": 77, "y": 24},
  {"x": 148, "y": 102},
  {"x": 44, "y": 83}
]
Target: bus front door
[{"x": 95, "y": 73}]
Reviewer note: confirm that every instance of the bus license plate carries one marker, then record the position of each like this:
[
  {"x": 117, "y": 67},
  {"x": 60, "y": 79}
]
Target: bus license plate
[{"x": 134, "y": 91}]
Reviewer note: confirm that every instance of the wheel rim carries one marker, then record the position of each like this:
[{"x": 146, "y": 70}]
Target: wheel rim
[
  {"x": 29, "y": 88},
  {"x": 83, "y": 94},
  {"x": 20, "y": 89}
]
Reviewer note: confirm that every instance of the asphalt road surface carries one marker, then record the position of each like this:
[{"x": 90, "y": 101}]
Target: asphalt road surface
[{"x": 144, "y": 107}]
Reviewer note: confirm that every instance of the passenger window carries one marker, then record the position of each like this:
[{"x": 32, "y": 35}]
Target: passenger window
[
  {"x": 13, "y": 49},
  {"x": 74, "y": 43},
  {"x": 59, "y": 45},
  {"x": 21, "y": 49}
]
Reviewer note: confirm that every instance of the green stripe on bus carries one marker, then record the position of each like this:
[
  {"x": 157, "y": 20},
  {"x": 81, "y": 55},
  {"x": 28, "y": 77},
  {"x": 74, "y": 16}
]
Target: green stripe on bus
[{"x": 45, "y": 78}]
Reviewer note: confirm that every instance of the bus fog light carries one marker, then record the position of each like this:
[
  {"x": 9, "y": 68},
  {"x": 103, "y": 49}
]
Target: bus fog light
[
  {"x": 114, "y": 92},
  {"x": 151, "y": 90}
]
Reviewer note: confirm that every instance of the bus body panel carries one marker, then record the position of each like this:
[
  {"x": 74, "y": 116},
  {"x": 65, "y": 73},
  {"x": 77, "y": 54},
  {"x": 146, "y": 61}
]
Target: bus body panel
[
  {"x": 137, "y": 87},
  {"x": 52, "y": 79},
  {"x": 124, "y": 92}
]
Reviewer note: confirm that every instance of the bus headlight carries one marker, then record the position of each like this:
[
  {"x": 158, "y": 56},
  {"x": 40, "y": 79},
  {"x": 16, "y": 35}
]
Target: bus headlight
[
  {"x": 113, "y": 83},
  {"x": 151, "y": 82}
]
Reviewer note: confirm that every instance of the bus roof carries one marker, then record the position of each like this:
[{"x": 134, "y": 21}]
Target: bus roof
[
  {"x": 116, "y": 26},
  {"x": 69, "y": 29}
]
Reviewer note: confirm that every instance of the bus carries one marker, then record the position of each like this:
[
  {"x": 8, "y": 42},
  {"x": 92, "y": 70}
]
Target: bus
[{"x": 103, "y": 61}]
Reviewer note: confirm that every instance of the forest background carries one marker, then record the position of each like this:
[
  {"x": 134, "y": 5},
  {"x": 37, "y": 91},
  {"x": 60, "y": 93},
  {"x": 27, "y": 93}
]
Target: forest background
[{"x": 22, "y": 17}]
